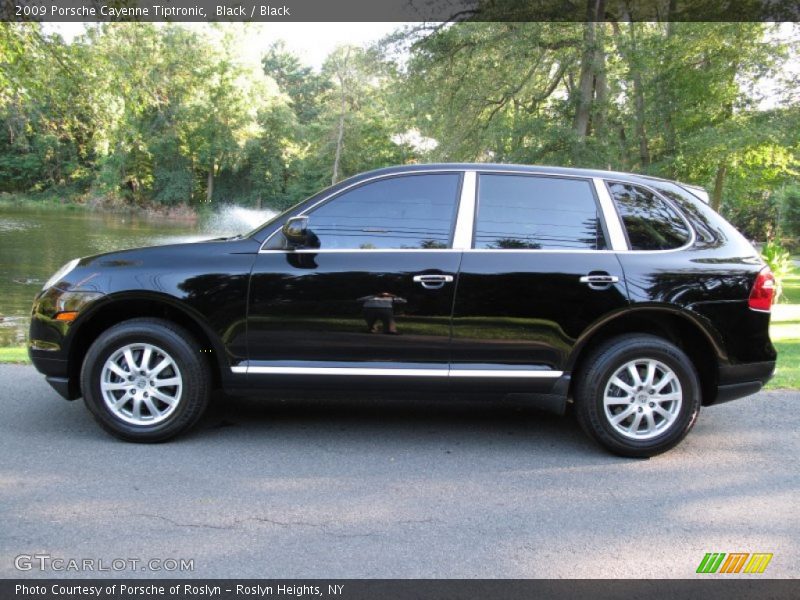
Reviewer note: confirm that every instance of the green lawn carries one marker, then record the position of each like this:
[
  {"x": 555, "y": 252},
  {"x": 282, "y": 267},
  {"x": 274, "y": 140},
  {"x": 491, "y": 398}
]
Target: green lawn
[
  {"x": 13, "y": 355},
  {"x": 785, "y": 334}
]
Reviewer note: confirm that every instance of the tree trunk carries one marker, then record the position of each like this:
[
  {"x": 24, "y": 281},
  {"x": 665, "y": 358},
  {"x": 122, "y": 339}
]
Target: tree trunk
[
  {"x": 339, "y": 140},
  {"x": 341, "y": 74},
  {"x": 638, "y": 94},
  {"x": 586, "y": 82},
  {"x": 600, "y": 84},
  {"x": 623, "y": 148},
  {"x": 591, "y": 68},
  {"x": 670, "y": 139},
  {"x": 629, "y": 52},
  {"x": 719, "y": 182},
  {"x": 210, "y": 184}
]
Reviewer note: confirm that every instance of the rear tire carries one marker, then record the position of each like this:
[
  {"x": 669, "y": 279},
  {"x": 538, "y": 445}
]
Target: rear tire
[
  {"x": 144, "y": 380},
  {"x": 638, "y": 395}
]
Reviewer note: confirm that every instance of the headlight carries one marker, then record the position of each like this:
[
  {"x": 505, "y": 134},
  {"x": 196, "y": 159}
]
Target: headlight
[{"x": 61, "y": 273}]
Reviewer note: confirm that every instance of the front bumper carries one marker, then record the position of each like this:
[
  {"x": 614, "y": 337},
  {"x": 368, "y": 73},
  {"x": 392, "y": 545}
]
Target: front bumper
[
  {"x": 50, "y": 339},
  {"x": 63, "y": 387},
  {"x": 56, "y": 372}
]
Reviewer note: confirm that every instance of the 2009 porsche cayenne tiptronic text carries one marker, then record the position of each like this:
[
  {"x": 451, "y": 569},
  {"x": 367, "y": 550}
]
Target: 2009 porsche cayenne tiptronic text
[{"x": 624, "y": 296}]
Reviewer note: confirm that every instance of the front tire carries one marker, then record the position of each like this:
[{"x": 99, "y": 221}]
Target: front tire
[
  {"x": 638, "y": 395},
  {"x": 144, "y": 380}
]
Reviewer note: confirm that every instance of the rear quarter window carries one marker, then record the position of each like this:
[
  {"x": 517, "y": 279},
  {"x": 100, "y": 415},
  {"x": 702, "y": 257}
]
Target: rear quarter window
[{"x": 650, "y": 222}]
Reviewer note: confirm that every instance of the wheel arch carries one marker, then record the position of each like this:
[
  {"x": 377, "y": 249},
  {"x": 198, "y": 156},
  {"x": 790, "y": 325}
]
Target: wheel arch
[
  {"x": 119, "y": 307},
  {"x": 679, "y": 327}
]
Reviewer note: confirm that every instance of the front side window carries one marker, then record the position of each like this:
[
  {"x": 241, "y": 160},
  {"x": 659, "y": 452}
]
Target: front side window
[
  {"x": 406, "y": 212},
  {"x": 650, "y": 222},
  {"x": 530, "y": 212}
]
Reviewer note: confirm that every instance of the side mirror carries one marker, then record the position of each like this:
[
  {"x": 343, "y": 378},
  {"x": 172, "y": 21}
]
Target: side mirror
[{"x": 295, "y": 230}]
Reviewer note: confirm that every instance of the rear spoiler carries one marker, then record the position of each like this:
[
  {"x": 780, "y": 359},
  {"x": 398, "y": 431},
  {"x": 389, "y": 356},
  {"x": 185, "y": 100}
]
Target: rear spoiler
[{"x": 696, "y": 190}]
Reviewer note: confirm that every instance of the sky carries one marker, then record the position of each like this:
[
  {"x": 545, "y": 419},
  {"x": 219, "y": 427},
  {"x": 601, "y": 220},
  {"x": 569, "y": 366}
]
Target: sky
[{"x": 311, "y": 42}]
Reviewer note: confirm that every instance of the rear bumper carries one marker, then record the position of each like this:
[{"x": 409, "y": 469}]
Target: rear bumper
[
  {"x": 742, "y": 380},
  {"x": 734, "y": 391}
]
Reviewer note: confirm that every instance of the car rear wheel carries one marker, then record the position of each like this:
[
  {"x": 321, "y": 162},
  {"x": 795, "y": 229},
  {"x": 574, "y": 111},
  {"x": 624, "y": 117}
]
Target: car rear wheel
[
  {"x": 144, "y": 380},
  {"x": 638, "y": 395}
]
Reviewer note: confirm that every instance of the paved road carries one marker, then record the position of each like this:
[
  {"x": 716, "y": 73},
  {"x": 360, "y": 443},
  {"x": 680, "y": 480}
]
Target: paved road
[{"x": 372, "y": 489}]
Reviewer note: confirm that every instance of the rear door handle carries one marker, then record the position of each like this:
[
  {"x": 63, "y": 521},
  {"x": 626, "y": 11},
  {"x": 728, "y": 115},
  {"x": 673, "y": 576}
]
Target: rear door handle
[
  {"x": 599, "y": 281},
  {"x": 433, "y": 282}
]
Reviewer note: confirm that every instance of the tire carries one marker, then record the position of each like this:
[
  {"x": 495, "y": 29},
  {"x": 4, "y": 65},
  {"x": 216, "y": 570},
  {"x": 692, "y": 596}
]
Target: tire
[
  {"x": 171, "y": 393},
  {"x": 625, "y": 414}
]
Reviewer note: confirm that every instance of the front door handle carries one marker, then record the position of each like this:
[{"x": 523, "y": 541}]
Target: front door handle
[
  {"x": 599, "y": 280},
  {"x": 433, "y": 282}
]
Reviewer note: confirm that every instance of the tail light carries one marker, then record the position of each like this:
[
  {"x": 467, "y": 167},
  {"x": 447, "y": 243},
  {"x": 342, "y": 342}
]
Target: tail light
[{"x": 763, "y": 291}]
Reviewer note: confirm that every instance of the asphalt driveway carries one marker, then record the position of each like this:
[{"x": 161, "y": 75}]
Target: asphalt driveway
[{"x": 393, "y": 489}]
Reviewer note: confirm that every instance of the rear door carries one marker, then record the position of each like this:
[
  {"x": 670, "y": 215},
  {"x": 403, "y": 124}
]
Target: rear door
[
  {"x": 372, "y": 299},
  {"x": 540, "y": 271}
]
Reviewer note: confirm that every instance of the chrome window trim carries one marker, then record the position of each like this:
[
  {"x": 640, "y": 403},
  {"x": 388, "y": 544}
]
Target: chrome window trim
[
  {"x": 471, "y": 250},
  {"x": 382, "y": 372},
  {"x": 465, "y": 217},
  {"x": 351, "y": 250},
  {"x": 618, "y": 241},
  {"x": 657, "y": 194}
]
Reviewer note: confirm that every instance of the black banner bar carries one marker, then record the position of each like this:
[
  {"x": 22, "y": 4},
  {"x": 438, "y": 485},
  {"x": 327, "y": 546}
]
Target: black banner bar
[
  {"x": 397, "y": 10},
  {"x": 400, "y": 589}
]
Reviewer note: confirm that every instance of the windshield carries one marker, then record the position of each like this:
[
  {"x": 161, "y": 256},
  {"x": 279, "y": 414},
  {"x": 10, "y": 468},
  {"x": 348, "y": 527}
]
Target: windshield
[{"x": 263, "y": 225}]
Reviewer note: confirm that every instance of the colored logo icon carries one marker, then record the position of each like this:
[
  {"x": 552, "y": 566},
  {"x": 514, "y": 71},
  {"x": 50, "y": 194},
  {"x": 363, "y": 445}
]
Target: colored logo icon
[{"x": 734, "y": 562}]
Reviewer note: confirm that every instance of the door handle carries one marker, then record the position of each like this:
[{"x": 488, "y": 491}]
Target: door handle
[
  {"x": 433, "y": 282},
  {"x": 599, "y": 281}
]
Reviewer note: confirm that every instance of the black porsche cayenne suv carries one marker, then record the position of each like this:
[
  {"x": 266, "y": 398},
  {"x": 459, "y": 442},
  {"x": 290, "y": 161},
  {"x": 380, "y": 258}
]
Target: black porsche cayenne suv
[{"x": 624, "y": 295}]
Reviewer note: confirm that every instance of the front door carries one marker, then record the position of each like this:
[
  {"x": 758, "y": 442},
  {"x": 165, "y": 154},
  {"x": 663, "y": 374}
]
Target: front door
[{"x": 371, "y": 299}]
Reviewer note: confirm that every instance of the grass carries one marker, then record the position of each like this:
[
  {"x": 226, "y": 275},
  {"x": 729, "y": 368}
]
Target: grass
[
  {"x": 785, "y": 334},
  {"x": 64, "y": 200},
  {"x": 787, "y": 375},
  {"x": 14, "y": 355}
]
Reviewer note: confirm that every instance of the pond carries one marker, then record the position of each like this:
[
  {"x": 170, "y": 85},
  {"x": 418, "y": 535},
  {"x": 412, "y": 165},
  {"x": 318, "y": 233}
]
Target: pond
[{"x": 34, "y": 243}]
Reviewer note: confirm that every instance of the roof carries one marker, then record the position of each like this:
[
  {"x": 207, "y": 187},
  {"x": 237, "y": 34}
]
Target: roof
[{"x": 498, "y": 167}]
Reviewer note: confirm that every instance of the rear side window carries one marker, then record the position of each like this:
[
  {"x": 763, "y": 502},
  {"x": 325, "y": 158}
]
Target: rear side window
[
  {"x": 539, "y": 213},
  {"x": 650, "y": 222}
]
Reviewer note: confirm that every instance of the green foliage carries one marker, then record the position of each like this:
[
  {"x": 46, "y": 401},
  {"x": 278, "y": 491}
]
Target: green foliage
[
  {"x": 780, "y": 262},
  {"x": 677, "y": 100},
  {"x": 790, "y": 212},
  {"x": 755, "y": 216},
  {"x": 175, "y": 115}
]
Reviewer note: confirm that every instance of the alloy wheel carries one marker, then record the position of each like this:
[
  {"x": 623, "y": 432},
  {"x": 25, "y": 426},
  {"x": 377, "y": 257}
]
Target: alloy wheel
[
  {"x": 642, "y": 399},
  {"x": 141, "y": 384}
]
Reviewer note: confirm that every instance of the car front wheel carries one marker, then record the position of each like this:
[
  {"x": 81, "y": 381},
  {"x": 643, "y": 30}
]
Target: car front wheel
[
  {"x": 638, "y": 395},
  {"x": 144, "y": 380}
]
